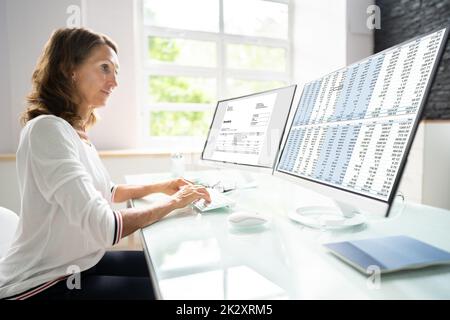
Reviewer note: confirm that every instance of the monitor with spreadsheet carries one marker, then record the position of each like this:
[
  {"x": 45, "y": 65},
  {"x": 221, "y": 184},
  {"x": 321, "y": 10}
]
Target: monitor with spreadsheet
[
  {"x": 247, "y": 131},
  {"x": 353, "y": 128}
]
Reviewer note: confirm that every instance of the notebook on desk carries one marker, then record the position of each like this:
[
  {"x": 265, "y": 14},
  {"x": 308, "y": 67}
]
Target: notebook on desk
[{"x": 389, "y": 254}]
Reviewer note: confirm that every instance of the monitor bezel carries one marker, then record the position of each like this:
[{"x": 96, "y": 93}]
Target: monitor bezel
[
  {"x": 324, "y": 186},
  {"x": 230, "y": 164}
]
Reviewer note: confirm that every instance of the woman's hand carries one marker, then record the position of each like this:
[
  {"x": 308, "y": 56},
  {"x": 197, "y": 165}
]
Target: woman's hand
[
  {"x": 188, "y": 194},
  {"x": 173, "y": 186}
]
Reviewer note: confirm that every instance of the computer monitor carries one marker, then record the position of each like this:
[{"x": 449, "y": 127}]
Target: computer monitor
[
  {"x": 246, "y": 132},
  {"x": 353, "y": 128}
]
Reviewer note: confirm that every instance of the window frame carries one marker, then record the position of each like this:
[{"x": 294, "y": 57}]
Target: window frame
[{"x": 220, "y": 73}]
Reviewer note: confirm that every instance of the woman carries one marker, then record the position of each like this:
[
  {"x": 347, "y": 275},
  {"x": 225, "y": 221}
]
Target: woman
[{"x": 66, "y": 221}]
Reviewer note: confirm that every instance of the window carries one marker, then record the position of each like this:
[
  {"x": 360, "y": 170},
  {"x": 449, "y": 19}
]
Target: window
[{"x": 199, "y": 51}]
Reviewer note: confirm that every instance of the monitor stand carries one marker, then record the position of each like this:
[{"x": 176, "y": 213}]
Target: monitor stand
[{"x": 327, "y": 217}]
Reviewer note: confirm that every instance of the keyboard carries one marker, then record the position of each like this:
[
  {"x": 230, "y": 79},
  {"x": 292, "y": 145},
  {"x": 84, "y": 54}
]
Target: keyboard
[{"x": 218, "y": 200}]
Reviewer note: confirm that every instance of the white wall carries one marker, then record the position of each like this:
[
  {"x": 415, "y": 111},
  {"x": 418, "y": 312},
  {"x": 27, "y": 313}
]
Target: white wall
[
  {"x": 5, "y": 109},
  {"x": 119, "y": 127},
  {"x": 319, "y": 38},
  {"x": 328, "y": 35},
  {"x": 26, "y": 25},
  {"x": 359, "y": 38},
  {"x": 436, "y": 164},
  {"x": 427, "y": 174}
]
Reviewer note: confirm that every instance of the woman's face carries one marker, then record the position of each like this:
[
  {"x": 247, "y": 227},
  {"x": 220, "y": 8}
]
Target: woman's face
[{"x": 96, "y": 78}]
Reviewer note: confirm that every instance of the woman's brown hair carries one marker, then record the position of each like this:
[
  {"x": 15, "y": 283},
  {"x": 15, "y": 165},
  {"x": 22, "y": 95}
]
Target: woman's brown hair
[{"x": 53, "y": 91}]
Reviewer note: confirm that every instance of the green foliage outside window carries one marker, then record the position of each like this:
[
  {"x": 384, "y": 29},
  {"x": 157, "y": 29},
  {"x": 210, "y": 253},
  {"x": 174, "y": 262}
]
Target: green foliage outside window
[
  {"x": 179, "y": 123},
  {"x": 178, "y": 90},
  {"x": 163, "y": 49},
  {"x": 168, "y": 89}
]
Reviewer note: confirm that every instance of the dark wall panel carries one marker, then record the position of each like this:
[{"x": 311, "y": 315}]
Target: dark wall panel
[{"x": 405, "y": 19}]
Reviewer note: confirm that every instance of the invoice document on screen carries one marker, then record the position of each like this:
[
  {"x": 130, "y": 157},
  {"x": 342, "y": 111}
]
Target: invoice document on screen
[{"x": 243, "y": 130}]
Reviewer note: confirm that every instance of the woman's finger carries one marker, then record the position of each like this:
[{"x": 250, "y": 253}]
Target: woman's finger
[
  {"x": 204, "y": 194},
  {"x": 200, "y": 187},
  {"x": 187, "y": 182}
]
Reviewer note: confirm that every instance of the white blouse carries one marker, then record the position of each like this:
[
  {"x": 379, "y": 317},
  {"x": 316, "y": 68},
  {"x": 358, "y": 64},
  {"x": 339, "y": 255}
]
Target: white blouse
[{"x": 66, "y": 221}]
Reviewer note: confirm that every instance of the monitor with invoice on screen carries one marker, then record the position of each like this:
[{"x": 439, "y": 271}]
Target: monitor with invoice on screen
[
  {"x": 353, "y": 128},
  {"x": 246, "y": 131}
]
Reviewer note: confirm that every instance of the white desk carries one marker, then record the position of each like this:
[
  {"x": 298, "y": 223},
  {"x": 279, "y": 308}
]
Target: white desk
[{"x": 197, "y": 256}]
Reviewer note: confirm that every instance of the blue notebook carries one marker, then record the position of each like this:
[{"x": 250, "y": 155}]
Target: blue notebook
[{"x": 389, "y": 254}]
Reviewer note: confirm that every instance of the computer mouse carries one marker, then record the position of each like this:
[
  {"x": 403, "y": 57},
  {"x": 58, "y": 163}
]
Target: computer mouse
[{"x": 246, "y": 219}]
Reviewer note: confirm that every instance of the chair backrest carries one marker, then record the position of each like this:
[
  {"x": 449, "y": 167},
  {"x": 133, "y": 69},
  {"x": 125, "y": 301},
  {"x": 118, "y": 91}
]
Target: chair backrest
[{"x": 8, "y": 225}]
